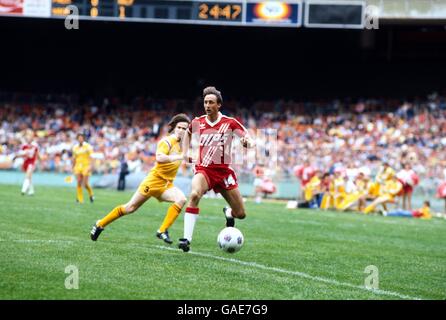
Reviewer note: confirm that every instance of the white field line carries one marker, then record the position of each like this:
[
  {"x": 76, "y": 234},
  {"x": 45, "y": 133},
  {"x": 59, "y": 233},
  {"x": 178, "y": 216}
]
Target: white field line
[
  {"x": 36, "y": 241},
  {"x": 296, "y": 273}
]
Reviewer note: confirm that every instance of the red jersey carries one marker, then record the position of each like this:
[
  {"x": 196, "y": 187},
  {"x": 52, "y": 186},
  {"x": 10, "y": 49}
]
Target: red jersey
[
  {"x": 30, "y": 150},
  {"x": 307, "y": 174},
  {"x": 215, "y": 140}
]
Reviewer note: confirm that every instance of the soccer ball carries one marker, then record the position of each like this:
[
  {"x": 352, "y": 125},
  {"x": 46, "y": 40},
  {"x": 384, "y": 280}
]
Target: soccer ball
[{"x": 230, "y": 239}]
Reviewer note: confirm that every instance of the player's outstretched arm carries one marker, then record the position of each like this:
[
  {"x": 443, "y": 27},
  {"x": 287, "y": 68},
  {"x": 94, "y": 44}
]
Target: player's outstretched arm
[{"x": 164, "y": 158}]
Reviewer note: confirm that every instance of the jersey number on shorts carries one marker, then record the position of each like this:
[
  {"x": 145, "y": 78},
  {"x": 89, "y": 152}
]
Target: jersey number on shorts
[{"x": 229, "y": 181}]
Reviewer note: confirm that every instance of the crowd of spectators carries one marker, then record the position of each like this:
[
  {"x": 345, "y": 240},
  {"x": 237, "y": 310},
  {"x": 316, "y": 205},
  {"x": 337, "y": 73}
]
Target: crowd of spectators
[{"x": 323, "y": 133}]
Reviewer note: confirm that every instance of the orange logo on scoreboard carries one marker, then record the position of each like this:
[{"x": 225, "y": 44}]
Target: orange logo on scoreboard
[{"x": 272, "y": 10}]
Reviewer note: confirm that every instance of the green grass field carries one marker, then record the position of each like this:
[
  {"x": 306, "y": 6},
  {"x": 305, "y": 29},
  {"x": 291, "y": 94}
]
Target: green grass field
[{"x": 288, "y": 254}]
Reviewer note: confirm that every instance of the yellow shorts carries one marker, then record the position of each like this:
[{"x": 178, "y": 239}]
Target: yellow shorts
[
  {"x": 82, "y": 168},
  {"x": 154, "y": 186},
  {"x": 374, "y": 189}
]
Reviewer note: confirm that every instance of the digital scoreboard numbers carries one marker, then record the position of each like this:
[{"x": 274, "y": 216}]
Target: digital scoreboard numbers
[{"x": 221, "y": 11}]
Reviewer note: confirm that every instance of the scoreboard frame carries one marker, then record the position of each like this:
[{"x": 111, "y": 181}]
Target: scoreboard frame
[{"x": 269, "y": 13}]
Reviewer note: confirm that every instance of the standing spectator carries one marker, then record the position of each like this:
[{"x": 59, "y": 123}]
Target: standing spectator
[
  {"x": 441, "y": 190},
  {"x": 409, "y": 180},
  {"x": 123, "y": 172}
]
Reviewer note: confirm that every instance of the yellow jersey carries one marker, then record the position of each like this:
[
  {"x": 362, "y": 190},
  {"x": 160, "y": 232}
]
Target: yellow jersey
[
  {"x": 384, "y": 174},
  {"x": 312, "y": 186},
  {"x": 82, "y": 154},
  {"x": 391, "y": 187},
  {"x": 339, "y": 186},
  {"x": 168, "y": 146},
  {"x": 425, "y": 213}
]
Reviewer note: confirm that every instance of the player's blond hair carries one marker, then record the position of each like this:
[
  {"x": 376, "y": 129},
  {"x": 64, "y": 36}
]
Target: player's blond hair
[{"x": 214, "y": 91}]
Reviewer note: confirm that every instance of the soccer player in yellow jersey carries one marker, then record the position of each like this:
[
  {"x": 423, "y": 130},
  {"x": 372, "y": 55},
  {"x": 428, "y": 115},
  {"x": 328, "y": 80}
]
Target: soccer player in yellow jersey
[
  {"x": 387, "y": 193},
  {"x": 158, "y": 183},
  {"x": 336, "y": 192},
  {"x": 358, "y": 195},
  {"x": 384, "y": 172},
  {"x": 82, "y": 167}
]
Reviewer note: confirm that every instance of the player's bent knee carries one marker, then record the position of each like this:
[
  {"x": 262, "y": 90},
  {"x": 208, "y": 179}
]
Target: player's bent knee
[
  {"x": 195, "y": 196},
  {"x": 181, "y": 202},
  {"x": 241, "y": 214},
  {"x": 130, "y": 208}
]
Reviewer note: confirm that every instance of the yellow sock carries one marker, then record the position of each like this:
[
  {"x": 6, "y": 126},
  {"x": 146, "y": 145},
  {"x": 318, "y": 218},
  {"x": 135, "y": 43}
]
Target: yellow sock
[
  {"x": 80, "y": 195},
  {"x": 172, "y": 214},
  {"x": 369, "y": 209},
  {"x": 89, "y": 189},
  {"x": 112, "y": 216}
]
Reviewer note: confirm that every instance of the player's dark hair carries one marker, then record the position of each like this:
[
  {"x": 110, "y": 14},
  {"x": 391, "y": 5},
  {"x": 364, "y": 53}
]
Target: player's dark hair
[
  {"x": 427, "y": 203},
  {"x": 214, "y": 91},
  {"x": 181, "y": 117}
]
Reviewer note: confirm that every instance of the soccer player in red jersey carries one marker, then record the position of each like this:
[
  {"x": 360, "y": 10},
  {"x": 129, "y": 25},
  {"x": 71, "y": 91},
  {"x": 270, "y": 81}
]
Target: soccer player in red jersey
[
  {"x": 215, "y": 133},
  {"x": 29, "y": 151}
]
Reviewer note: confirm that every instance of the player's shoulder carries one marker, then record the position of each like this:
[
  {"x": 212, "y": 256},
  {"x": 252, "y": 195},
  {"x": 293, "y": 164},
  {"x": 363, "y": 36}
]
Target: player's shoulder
[
  {"x": 231, "y": 120},
  {"x": 171, "y": 140},
  {"x": 168, "y": 140},
  {"x": 199, "y": 119}
]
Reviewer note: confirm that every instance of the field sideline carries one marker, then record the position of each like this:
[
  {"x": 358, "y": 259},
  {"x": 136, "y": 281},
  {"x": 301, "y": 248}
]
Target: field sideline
[{"x": 288, "y": 254}]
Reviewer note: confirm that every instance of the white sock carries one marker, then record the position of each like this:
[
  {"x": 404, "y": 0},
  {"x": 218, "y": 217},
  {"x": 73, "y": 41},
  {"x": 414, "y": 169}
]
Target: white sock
[
  {"x": 25, "y": 185},
  {"x": 189, "y": 224},
  {"x": 228, "y": 212},
  {"x": 31, "y": 189}
]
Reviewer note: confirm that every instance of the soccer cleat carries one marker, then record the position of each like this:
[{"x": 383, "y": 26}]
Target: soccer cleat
[
  {"x": 164, "y": 236},
  {"x": 230, "y": 221},
  {"x": 184, "y": 245},
  {"x": 92, "y": 199},
  {"x": 95, "y": 232}
]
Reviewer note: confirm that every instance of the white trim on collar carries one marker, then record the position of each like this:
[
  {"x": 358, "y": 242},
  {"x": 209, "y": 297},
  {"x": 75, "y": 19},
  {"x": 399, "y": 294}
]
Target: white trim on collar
[{"x": 216, "y": 121}]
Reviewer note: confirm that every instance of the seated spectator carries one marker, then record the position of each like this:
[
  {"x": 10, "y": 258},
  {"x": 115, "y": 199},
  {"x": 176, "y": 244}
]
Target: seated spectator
[
  {"x": 387, "y": 193},
  {"x": 423, "y": 213}
]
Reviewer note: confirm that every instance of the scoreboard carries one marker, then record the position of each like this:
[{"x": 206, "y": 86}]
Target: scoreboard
[
  {"x": 271, "y": 13},
  {"x": 227, "y": 12}
]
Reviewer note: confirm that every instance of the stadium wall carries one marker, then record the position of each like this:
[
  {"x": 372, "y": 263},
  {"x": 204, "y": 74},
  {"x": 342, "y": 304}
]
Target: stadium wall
[{"x": 286, "y": 190}]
